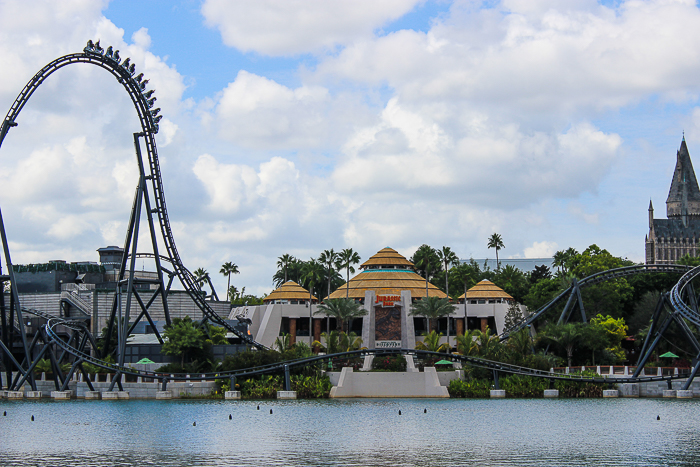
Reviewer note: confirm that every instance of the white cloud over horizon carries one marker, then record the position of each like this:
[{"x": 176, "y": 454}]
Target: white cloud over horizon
[{"x": 493, "y": 119}]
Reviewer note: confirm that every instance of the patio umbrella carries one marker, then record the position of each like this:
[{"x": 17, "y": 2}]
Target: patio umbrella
[
  {"x": 669, "y": 355},
  {"x": 443, "y": 362},
  {"x": 145, "y": 360}
]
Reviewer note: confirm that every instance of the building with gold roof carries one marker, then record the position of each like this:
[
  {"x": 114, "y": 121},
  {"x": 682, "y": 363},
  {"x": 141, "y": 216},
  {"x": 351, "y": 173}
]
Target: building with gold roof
[
  {"x": 485, "y": 306},
  {"x": 386, "y": 286},
  {"x": 287, "y": 310}
]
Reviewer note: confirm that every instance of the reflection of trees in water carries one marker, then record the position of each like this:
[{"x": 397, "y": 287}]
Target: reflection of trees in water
[{"x": 388, "y": 324}]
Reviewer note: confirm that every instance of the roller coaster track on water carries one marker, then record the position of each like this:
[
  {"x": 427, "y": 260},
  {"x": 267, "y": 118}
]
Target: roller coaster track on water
[
  {"x": 79, "y": 346},
  {"x": 154, "y": 199}
]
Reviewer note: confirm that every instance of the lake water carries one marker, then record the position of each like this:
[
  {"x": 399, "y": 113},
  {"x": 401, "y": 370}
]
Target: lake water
[{"x": 367, "y": 432}]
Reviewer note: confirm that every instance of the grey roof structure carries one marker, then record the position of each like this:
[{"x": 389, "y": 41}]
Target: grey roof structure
[
  {"x": 684, "y": 192},
  {"x": 674, "y": 228}
]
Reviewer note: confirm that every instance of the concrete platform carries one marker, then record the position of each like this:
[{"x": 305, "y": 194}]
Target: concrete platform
[
  {"x": 34, "y": 394},
  {"x": 498, "y": 394},
  {"x": 684, "y": 394},
  {"x": 110, "y": 395},
  {"x": 669, "y": 394},
  {"x": 389, "y": 384},
  {"x": 61, "y": 395},
  {"x": 164, "y": 395},
  {"x": 15, "y": 395},
  {"x": 232, "y": 395},
  {"x": 286, "y": 395},
  {"x": 628, "y": 389},
  {"x": 92, "y": 395},
  {"x": 611, "y": 393},
  {"x": 551, "y": 393}
]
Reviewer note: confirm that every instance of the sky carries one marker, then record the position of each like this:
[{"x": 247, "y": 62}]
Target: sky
[{"x": 295, "y": 126}]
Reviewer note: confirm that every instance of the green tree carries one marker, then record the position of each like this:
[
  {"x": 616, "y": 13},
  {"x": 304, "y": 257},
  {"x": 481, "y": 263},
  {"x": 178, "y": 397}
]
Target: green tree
[
  {"x": 312, "y": 274},
  {"x": 227, "y": 269},
  {"x": 565, "y": 337},
  {"x": 290, "y": 270},
  {"x": 283, "y": 262},
  {"x": 467, "y": 274},
  {"x": 342, "y": 309},
  {"x": 448, "y": 258},
  {"x": 514, "y": 316},
  {"x": 495, "y": 241},
  {"x": 540, "y": 272},
  {"x": 330, "y": 261},
  {"x": 426, "y": 262},
  {"x": 466, "y": 343},
  {"x": 182, "y": 337},
  {"x": 432, "y": 308},
  {"x": 348, "y": 258},
  {"x": 200, "y": 276},
  {"x": 431, "y": 343},
  {"x": 513, "y": 281}
]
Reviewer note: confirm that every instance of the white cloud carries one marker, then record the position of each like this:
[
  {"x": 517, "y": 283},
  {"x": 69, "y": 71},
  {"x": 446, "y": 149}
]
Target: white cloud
[
  {"x": 291, "y": 27},
  {"x": 542, "y": 249}
]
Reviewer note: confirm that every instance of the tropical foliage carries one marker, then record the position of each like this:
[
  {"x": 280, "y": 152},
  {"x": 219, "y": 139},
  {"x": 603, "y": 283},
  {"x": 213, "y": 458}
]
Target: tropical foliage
[{"x": 343, "y": 310}]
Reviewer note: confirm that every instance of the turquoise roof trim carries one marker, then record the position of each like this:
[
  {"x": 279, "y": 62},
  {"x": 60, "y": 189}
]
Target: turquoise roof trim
[{"x": 387, "y": 270}]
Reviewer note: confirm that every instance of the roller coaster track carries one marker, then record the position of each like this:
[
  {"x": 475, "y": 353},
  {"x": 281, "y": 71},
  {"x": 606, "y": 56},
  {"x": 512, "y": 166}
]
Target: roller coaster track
[
  {"x": 500, "y": 367},
  {"x": 143, "y": 101},
  {"x": 687, "y": 311},
  {"x": 597, "y": 278}
]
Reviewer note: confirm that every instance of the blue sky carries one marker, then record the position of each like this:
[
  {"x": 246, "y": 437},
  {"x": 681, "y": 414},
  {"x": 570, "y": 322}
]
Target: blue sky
[{"x": 294, "y": 126}]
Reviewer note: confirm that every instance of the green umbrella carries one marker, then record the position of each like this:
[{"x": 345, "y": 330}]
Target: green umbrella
[
  {"x": 443, "y": 362},
  {"x": 144, "y": 360},
  {"x": 669, "y": 355}
]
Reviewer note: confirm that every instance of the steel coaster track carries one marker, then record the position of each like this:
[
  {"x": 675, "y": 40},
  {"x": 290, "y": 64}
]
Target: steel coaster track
[
  {"x": 596, "y": 278},
  {"x": 677, "y": 302},
  {"x": 279, "y": 367},
  {"x": 143, "y": 102}
]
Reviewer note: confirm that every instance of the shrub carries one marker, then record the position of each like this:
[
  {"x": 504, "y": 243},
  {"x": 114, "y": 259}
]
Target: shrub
[
  {"x": 393, "y": 362},
  {"x": 469, "y": 388},
  {"x": 523, "y": 386}
]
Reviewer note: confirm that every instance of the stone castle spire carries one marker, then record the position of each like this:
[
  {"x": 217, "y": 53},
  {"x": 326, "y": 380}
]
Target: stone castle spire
[{"x": 683, "y": 200}]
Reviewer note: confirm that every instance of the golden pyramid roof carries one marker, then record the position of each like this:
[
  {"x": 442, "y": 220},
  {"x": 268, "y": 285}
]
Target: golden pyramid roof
[
  {"x": 290, "y": 290},
  {"x": 486, "y": 290},
  {"x": 387, "y": 257},
  {"x": 387, "y": 280}
]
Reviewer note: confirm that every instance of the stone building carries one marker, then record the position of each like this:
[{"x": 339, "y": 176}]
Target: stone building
[{"x": 672, "y": 238}]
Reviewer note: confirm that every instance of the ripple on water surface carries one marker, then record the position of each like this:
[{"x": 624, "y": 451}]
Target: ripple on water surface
[{"x": 358, "y": 432}]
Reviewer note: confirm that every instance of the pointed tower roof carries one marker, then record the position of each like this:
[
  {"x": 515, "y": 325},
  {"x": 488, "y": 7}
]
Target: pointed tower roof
[
  {"x": 290, "y": 290},
  {"x": 683, "y": 174}
]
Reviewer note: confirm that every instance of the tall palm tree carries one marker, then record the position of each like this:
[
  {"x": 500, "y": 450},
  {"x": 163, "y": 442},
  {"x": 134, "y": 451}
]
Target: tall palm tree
[
  {"x": 447, "y": 258},
  {"x": 495, "y": 241},
  {"x": 312, "y": 273},
  {"x": 348, "y": 258},
  {"x": 227, "y": 269},
  {"x": 330, "y": 261},
  {"x": 432, "y": 308},
  {"x": 426, "y": 260},
  {"x": 342, "y": 309},
  {"x": 283, "y": 262}
]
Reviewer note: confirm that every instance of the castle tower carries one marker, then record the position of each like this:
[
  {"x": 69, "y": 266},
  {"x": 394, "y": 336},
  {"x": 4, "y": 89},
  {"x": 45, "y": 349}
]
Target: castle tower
[
  {"x": 684, "y": 196},
  {"x": 671, "y": 239}
]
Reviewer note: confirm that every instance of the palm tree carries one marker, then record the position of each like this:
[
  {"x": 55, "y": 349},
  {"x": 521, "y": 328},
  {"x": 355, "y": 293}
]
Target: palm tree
[
  {"x": 200, "y": 275},
  {"x": 283, "y": 262},
  {"x": 227, "y": 269},
  {"x": 566, "y": 336},
  {"x": 431, "y": 342},
  {"x": 292, "y": 272},
  {"x": 348, "y": 258},
  {"x": 495, "y": 241},
  {"x": 342, "y": 309},
  {"x": 426, "y": 260},
  {"x": 447, "y": 258},
  {"x": 466, "y": 345},
  {"x": 432, "y": 308},
  {"x": 329, "y": 259},
  {"x": 312, "y": 273}
]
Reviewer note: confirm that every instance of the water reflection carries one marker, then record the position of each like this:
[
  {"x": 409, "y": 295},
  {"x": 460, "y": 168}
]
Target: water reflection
[{"x": 351, "y": 433}]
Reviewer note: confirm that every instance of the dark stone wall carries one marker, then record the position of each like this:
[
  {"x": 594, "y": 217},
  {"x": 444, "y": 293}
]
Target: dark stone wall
[{"x": 387, "y": 323}]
